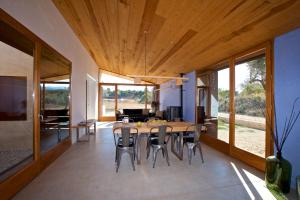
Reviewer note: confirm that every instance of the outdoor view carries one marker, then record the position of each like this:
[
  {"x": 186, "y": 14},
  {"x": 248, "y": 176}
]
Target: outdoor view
[
  {"x": 131, "y": 97},
  {"x": 108, "y": 100},
  {"x": 56, "y": 96},
  {"x": 250, "y": 99},
  {"x": 220, "y": 104}
]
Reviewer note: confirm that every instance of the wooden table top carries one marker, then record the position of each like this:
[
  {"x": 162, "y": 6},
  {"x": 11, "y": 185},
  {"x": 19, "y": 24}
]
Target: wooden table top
[{"x": 146, "y": 126}]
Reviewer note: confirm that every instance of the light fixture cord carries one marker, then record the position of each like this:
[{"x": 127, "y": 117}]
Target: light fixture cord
[{"x": 145, "y": 32}]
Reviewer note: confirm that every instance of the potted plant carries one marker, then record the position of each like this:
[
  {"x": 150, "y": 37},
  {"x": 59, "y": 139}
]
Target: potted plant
[{"x": 279, "y": 170}]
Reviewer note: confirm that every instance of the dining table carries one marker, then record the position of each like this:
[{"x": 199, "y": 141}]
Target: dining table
[{"x": 143, "y": 130}]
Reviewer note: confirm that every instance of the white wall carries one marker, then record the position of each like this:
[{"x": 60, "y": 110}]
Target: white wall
[
  {"x": 43, "y": 19},
  {"x": 169, "y": 95}
]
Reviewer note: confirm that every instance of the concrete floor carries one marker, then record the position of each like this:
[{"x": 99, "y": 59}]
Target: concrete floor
[{"x": 87, "y": 171}]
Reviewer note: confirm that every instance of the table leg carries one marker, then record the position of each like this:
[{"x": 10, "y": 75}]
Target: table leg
[
  {"x": 95, "y": 129},
  {"x": 77, "y": 134},
  {"x": 178, "y": 153},
  {"x": 58, "y": 134},
  {"x": 138, "y": 149}
]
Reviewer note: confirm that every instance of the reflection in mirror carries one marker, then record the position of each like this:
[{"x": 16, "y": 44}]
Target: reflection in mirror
[
  {"x": 54, "y": 99},
  {"x": 16, "y": 107}
]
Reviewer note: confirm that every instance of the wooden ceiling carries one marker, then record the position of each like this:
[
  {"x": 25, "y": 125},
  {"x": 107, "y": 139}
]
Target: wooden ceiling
[{"x": 182, "y": 35}]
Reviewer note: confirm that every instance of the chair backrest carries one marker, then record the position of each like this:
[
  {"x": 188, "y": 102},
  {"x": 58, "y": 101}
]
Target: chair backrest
[
  {"x": 125, "y": 132},
  {"x": 196, "y": 129},
  {"x": 162, "y": 133}
]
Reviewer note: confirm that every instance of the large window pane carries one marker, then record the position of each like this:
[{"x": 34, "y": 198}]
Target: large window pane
[
  {"x": 54, "y": 99},
  {"x": 250, "y": 98},
  {"x": 56, "y": 96},
  {"x": 150, "y": 97},
  {"x": 108, "y": 101},
  {"x": 131, "y": 97},
  {"x": 217, "y": 119},
  {"x": 16, "y": 107}
]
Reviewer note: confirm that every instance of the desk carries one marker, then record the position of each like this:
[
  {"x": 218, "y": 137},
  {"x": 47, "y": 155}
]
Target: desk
[
  {"x": 85, "y": 124},
  {"x": 144, "y": 130}
]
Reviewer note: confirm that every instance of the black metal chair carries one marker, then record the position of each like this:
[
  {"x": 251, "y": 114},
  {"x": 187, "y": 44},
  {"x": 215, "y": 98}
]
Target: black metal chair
[
  {"x": 192, "y": 140},
  {"x": 125, "y": 143},
  {"x": 150, "y": 136},
  {"x": 159, "y": 142}
]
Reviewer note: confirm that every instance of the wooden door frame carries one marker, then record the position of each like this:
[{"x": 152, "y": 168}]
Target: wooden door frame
[
  {"x": 113, "y": 118},
  {"x": 229, "y": 148},
  {"x": 14, "y": 183}
]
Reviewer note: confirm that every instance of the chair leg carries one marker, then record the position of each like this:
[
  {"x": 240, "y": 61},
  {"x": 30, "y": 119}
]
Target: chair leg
[
  {"x": 132, "y": 159},
  {"x": 190, "y": 152},
  {"x": 154, "y": 156},
  {"x": 167, "y": 156},
  {"x": 194, "y": 149},
  {"x": 116, "y": 156},
  {"x": 118, "y": 160},
  {"x": 163, "y": 152},
  {"x": 200, "y": 150},
  {"x": 148, "y": 151}
]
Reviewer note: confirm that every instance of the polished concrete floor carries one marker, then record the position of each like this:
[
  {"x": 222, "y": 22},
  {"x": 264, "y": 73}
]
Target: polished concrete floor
[{"x": 87, "y": 171}]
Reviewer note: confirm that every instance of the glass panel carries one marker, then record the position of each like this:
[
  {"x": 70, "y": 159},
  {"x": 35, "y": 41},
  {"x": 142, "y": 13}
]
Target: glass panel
[
  {"x": 250, "y": 97},
  {"x": 218, "y": 120},
  {"x": 108, "y": 100},
  {"x": 107, "y": 78},
  {"x": 54, "y": 99},
  {"x": 131, "y": 97},
  {"x": 16, "y": 107},
  {"x": 151, "y": 98},
  {"x": 202, "y": 80}
]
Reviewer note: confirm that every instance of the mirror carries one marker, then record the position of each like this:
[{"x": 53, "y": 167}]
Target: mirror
[{"x": 55, "y": 86}]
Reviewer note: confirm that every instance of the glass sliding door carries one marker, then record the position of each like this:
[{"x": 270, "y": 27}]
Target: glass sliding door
[
  {"x": 108, "y": 103},
  {"x": 213, "y": 103},
  {"x": 250, "y": 105},
  {"x": 131, "y": 97},
  {"x": 55, "y": 74},
  {"x": 17, "y": 102},
  {"x": 219, "y": 104},
  {"x": 150, "y": 97}
]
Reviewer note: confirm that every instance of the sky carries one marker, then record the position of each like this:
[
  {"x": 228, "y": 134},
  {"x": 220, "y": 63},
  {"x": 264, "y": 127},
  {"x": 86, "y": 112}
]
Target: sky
[
  {"x": 241, "y": 74},
  {"x": 106, "y": 78}
]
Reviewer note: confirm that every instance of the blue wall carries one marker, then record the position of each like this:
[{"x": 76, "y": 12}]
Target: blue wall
[
  {"x": 287, "y": 88},
  {"x": 170, "y": 96},
  {"x": 189, "y": 97}
]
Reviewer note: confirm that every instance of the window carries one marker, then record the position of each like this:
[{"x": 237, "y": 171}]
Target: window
[
  {"x": 250, "y": 105},
  {"x": 151, "y": 96},
  {"x": 56, "y": 96},
  {"x": 213, "y": 103},
  {"x": 108, "y": 93},
  {"x": 16, "y": 108},
  {"x": 131, "y": 97}
]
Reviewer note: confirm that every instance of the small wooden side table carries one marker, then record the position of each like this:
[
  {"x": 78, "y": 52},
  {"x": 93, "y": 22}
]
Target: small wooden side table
[{"x": 85, "y": 124}]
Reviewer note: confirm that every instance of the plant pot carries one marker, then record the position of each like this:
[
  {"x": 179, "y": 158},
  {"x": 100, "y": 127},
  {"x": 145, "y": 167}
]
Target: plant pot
[
  {"x": 286, "y": 175},
  {"x": 278, "y": 172},
  {"x": 272, "y": 172}
]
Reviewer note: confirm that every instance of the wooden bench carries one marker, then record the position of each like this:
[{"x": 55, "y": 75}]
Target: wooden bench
[{"x": 85, "y": 124}]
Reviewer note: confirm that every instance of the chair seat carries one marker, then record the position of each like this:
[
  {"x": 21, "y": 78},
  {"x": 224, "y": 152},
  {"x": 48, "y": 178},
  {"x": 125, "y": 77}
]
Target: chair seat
[
  {"x": 188, "y": 134},
  {"x": 153, "y": 136},
  {"x": 154, "y": 141},
  {"x": 120, "y": 144},
  {"x": 188, "y": 139}
]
